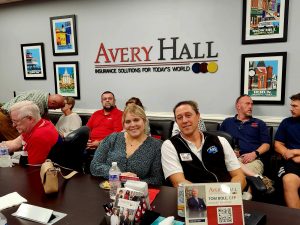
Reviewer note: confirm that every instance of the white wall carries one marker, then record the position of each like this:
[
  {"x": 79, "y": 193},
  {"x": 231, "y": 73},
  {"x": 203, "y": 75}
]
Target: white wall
[{"x": 120, "y": 23}]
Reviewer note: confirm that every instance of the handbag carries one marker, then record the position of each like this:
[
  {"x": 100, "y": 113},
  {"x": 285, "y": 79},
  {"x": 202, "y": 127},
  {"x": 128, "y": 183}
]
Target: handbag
[{"x": 49, "y": 176}]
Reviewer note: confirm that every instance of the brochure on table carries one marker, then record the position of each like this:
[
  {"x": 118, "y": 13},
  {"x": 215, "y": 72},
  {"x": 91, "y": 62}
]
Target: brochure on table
[{"x": 213, "y": 204}]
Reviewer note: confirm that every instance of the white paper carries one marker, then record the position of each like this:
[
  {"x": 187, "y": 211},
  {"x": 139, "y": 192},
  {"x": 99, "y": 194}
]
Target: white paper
[
  {"x": 17, "y": 155},
  {"x": 10, "y": 200}
]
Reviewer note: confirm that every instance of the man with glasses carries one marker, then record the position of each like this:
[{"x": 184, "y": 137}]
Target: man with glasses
[
  {"x": 42, "y": 99},
  {"x": 105, "y": 121},
  {"x": 37, "y": 135}
]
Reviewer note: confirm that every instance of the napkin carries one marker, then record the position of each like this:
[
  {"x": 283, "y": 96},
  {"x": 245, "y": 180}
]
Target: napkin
[{"x": 168, "y": 221}]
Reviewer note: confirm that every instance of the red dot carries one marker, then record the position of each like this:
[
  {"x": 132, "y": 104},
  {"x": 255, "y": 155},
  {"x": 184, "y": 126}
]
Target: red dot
[{"x": 203, "y": 67}]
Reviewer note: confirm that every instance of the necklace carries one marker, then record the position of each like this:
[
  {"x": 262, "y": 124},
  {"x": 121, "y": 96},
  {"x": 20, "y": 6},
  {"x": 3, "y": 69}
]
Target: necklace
[{"x": 131, "y": 144}]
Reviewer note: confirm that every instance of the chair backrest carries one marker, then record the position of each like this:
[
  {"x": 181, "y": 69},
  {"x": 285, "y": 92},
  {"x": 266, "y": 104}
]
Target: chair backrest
[
  {"x": 54, "y": 117},
  {"x": 270, "y": 130},
  {"x": 84, "y": 118},
  {"x": 161, "y": 128},
  {"x": 69, "y": 153},
  {"x": 211, "y": 126},
  {"x": 225, "y": 135}
]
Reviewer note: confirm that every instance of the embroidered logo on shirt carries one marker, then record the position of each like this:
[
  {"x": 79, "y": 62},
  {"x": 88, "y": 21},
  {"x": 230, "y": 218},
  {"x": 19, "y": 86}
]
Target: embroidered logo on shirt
[
  {"x": 212, "y": 150},
  {"x": 254, "y": 124},
  {"x": 186, "y": 156}
]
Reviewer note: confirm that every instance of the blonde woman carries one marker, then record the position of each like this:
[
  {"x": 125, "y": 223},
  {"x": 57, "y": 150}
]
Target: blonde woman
[{"x": 137, "y": 154}]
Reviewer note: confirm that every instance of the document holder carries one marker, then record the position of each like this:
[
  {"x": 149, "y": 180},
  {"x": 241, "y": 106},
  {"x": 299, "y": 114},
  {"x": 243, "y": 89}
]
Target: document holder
[{"x": 34, "y": 213}]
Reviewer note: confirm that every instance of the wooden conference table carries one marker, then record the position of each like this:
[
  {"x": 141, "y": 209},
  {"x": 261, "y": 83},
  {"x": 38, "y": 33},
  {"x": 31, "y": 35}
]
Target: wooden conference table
[{"x": 82, "y": 199}]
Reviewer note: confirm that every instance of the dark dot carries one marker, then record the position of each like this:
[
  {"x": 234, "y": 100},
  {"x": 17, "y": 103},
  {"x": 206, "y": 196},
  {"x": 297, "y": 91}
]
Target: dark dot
[
  {"x": 196, "y": 68},
  {"x": 203, "y": 67}
]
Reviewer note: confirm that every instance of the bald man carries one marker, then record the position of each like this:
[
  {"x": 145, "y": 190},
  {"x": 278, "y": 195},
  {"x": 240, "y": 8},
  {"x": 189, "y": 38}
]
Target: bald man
[{"x": 42, "y": 99}]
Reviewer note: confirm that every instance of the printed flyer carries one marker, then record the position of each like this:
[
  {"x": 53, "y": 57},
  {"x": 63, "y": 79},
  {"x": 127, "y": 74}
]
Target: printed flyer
[{"x": 213, "y": 204}]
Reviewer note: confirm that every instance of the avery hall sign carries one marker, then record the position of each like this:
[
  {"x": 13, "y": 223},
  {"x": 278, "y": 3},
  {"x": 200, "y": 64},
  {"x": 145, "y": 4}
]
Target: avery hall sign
[{"x": 199, "y": 57}]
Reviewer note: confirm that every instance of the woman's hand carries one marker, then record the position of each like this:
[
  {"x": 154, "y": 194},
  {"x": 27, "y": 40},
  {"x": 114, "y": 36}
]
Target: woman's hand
[{"x": 128, "y": 174}]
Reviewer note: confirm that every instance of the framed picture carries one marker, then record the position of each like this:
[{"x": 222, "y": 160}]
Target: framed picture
[
  {"x": 63, "y": 33},
  {"x": 263, "y": 77},
  {"x": 33, "y": 61},
  {"x": 265, "y": 21},
  {"x": 66, "y": 76}
]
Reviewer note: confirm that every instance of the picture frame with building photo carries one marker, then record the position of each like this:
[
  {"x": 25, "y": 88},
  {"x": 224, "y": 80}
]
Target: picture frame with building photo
[
  {"x": 66, "y": 76},
  {"x": 263, "y": 77},
  {"x": 265, "y": 21},
  {"x": 33, "y": 59}
]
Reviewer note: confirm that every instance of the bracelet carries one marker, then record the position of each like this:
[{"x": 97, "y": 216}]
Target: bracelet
[{"x": 257, "y": 153}]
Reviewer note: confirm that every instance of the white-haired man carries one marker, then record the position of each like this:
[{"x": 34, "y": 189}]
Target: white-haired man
[
  {"x": 42, "y": 99},
  {"x": 37, "y": 136}
]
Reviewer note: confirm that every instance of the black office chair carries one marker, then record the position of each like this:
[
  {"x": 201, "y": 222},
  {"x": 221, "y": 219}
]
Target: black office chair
[
  {"x": 69, "y": 152},
  {"x": 161, "y": 128},
  {"x": 223, "y": 134},
  {"x": 211, "y": 126}
]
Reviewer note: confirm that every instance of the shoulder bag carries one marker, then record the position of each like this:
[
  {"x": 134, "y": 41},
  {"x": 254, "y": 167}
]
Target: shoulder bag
[{"x": 49, "y": 176}]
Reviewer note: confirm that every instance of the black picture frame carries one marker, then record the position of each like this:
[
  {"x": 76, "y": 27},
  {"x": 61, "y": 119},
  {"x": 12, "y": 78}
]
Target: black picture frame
[
  {"x": 33, "y": 61},
  {"x": 64, "y": 35},
  {"x": 66, "y": 78},
  {"x": 263, "y": 77},
  {"x": 265, "y": 21}
]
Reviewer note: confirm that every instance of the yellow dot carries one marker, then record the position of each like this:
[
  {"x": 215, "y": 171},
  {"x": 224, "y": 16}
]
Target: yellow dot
[{"x": 212, "y": 67}]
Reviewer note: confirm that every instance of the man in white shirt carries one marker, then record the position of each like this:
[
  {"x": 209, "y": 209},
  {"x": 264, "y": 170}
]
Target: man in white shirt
[{"x": 195, "y": 157}]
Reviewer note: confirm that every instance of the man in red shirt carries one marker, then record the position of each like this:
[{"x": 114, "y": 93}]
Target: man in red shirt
[
  {"x": 37, "y": 137},
  {"x": 105, "y": 121}
]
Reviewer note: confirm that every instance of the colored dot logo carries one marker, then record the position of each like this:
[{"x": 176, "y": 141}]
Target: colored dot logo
[{"x": 205, "y": 67}]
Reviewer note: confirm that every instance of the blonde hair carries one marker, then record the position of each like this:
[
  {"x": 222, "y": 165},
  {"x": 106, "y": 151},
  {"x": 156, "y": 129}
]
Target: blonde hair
[{"x": 137, "y": 111}]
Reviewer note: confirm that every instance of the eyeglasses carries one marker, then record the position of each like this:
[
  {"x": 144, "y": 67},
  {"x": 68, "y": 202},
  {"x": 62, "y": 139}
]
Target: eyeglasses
[
  {"x": 17, "y": 122},
  {"x": 108, "y": 98}
]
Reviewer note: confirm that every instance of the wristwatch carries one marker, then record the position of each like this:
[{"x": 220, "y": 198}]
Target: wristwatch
[{"x": 257, "y": 153}]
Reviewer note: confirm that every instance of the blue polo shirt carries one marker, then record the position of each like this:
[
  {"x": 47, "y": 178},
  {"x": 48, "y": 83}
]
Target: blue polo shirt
[
  {"x": 248, "y": 135},
  {"x": 288, "y": 132}
]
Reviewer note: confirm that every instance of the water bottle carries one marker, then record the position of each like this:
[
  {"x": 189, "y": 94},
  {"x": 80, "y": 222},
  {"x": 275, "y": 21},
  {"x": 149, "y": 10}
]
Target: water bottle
[
  {"x": 5, "y": 159},
  {"x": 3, "y": 220},
  {"x": 114, "y": 179}
]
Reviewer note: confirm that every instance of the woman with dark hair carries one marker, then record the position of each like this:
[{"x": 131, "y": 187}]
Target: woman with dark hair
[{"x": 134, "y": 100}]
